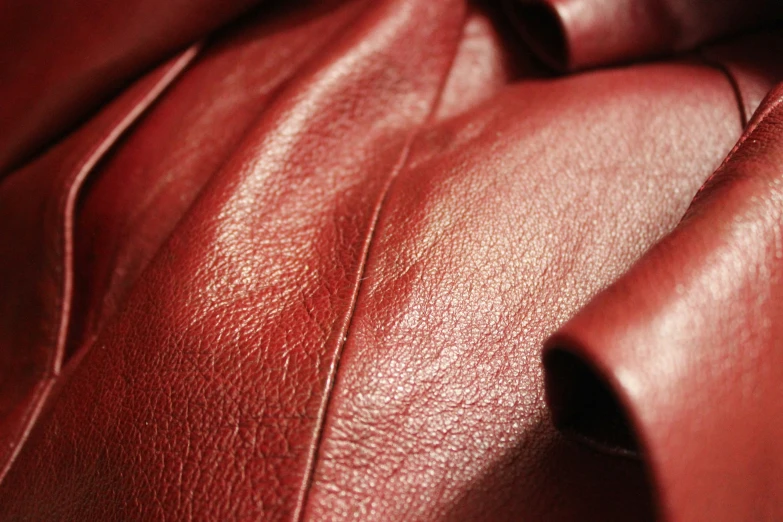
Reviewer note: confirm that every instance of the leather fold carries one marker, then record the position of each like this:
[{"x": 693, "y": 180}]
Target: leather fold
[
  {"x": 61, "y": 60},
  {"x": 233, "y": 329},
  {"x": 37, "y": 216},
  {"x": 579, "y": 34},
  {"x": 681, "y": 360},
  {"x": 305, "y": 270}
]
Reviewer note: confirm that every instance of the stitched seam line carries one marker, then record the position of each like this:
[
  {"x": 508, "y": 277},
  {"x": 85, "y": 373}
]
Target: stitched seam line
[{"x": 342, "y": 338}]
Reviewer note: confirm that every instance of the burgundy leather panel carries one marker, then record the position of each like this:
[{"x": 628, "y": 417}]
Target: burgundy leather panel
[
  {"x": 305, "y": 270},
  {"x": 485, "y": 245},
  {"x": 219, "y": 364},
  {"x": 60, "y": 59},
  {"x": 143, "y": 189},
  {"x": 690, "y": 342},
  {"x": 37, "y": 207},
  {"x": 577, "y": 34}
]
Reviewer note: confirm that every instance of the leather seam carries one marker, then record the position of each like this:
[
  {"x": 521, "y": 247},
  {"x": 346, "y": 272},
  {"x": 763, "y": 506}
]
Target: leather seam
[
  {"x": 716, "y": 63},
  {"x": 66, "y": 207},
  {"x": 85, "y": 167},
  {"x": 27, "y": 422},
  {"x": 342, "y": 338},
  {"x": 273, "y": 95},
  {"x": 767, "y": 106}
]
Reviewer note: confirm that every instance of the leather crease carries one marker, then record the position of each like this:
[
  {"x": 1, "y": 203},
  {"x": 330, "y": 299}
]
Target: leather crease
[
  {"x": 344, "y": 331},
  {"x": 52, "y": 366},
  {"x": 372, "y": 260}
]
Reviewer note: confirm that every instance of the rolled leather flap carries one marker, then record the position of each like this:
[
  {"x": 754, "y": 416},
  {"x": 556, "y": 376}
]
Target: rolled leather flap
[
  {"x": 685, "y": 352},
  {"x": 577, "y": 34}
]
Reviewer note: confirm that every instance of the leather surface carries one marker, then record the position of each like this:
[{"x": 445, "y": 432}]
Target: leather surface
[
  {"x": 59, "y": 59},
  {"x": 577, "y": 34},
  {"x": 699, "y": 317},
  {"x": 37, "y": 207},
  {"x": 304, "y": 269},
  {"x": 442, "y": 361}
]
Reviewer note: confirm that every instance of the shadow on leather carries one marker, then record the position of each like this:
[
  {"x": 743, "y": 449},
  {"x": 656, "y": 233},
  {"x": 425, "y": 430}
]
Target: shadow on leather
[{"x": 546, "y": 477}]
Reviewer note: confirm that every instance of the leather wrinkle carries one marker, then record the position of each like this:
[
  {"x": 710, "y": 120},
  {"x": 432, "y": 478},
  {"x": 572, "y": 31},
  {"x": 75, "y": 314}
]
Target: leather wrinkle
[{"x": 342, "y": 339}]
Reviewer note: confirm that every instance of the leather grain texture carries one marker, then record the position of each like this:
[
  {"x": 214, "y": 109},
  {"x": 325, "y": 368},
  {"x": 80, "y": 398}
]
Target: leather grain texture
[
  {"x": 698, "y": 317},
  {"x": 442, "y": 359},
  {"x": 375, "y": 260},
  {"x": 37, "y": 205}
]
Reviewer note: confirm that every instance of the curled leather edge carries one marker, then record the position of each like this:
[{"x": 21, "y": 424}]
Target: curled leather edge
[
  {"x": 570, "y": 35},
  {"x": 680, "y": 362}
]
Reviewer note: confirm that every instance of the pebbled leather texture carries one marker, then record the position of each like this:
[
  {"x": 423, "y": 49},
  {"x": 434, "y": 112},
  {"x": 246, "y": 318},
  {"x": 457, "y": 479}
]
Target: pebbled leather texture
[
  {"x": 374, "y": 260},
  {"x": 698, "y": 317},
  {"x": 59, "y": 59}
]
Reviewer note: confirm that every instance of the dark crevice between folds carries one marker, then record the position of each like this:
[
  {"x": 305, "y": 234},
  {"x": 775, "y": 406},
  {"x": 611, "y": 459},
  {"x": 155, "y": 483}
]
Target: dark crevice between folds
[
  {"x": 541, "y": 27},
  {"x": 583, "y": 406}
]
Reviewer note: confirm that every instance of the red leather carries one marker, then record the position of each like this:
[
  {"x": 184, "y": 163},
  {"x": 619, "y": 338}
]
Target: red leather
[
  {"x": 576, "y": 34},
  {"x": 37, "y": 206},
  {"x": 690, "y": 342},
  {"x": 59, "y": 59},
  {"x": 305, "y": 268}
]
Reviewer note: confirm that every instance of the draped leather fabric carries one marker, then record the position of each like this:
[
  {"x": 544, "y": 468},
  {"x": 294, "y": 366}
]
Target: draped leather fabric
[
  {"x": 696, "y": 317},
  {"x": 373, "y": 260}
]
